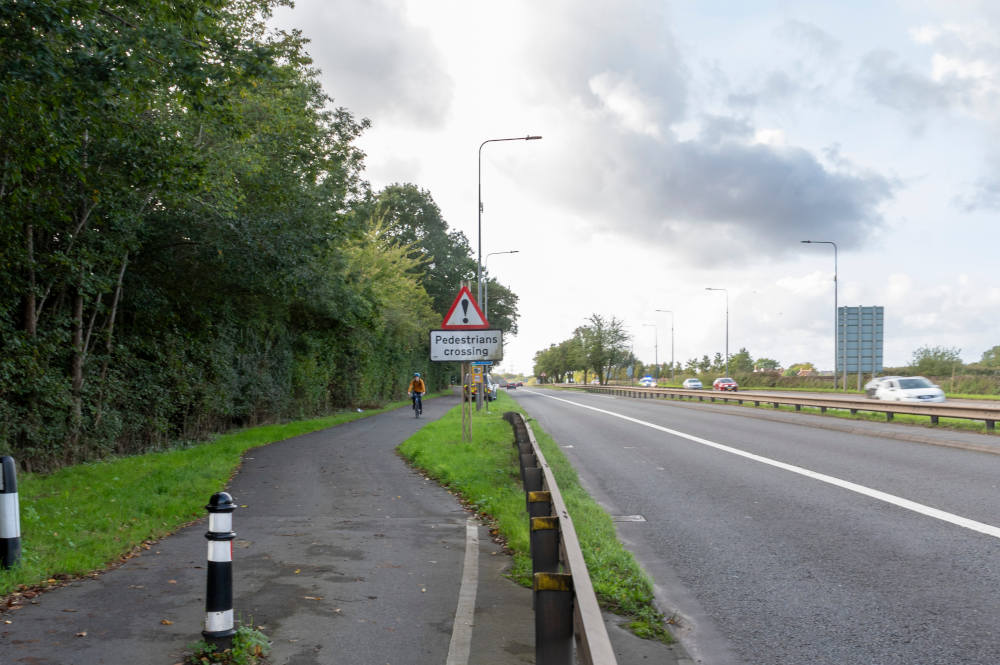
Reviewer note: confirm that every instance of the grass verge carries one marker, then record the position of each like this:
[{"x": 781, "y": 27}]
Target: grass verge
[
  {"x": 85, "y": 518},
  {"x": 485, "y": 474}
]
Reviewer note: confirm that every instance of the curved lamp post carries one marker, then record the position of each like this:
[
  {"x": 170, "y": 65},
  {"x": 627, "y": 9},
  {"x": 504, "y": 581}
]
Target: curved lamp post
[
  {"x": 836, "y": 326},
  {"x": 667, "y": 311},
  {"x": 709, "y": 288},
  {"x": 486, "y": 290},
  {"x": 479, "y": 260}
]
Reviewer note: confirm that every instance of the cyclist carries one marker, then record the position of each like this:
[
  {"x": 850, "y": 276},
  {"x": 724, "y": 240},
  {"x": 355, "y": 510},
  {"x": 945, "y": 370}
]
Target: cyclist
[{"x": 417, "y": 388}]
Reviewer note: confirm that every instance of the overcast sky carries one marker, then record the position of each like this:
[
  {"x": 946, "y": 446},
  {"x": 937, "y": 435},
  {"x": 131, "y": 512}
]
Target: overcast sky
[{"x": 692, "y": 144}]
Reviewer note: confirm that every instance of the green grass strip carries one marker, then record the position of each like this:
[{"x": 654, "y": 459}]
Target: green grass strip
[
  {"x": 485, "y": 473},
  {"x": 86, "y": 517}
]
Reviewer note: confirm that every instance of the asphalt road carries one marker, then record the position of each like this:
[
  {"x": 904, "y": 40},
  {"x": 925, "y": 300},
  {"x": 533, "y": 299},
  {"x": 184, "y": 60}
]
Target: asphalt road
[{"x": 779, "y": 543}]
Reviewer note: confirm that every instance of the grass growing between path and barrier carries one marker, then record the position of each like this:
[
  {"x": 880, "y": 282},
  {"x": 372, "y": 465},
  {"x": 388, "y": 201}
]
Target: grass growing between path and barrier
[
  {"x": 84, "y": 518},
  {"x": 485, "y": 473}
]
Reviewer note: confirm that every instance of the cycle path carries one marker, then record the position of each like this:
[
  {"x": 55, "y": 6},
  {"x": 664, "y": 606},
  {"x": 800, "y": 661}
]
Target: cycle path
[{"x": 344, "y": 554}]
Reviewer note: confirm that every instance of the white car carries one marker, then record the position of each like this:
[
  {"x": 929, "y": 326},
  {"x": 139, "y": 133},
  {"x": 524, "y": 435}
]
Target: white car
[
  {"x": 647, "y": 382},
  {"x": 903, "y": 389},
  {"x": 692, "y": 384}
]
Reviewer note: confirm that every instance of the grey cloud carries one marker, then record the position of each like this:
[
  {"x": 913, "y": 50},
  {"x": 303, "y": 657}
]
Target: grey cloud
[
  {"x": 743, "y": 202},
  {"x": 985, "y": 195},
  {"x": 811, "y": 36},
  {"x": 715, "y": 129},
  {"x": 375, "y": 63},
  {"x": 811, "y": 61},
  {"x": 579, "y": 40},
  {"x": 776, "y": 88},
  {"x": 892, "y": 83}
]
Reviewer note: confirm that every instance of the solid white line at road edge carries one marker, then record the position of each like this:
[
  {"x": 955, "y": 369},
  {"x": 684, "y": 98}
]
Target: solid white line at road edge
[
  {"x": 942, "y": 515},
  {"x": 461, "y": 631}
]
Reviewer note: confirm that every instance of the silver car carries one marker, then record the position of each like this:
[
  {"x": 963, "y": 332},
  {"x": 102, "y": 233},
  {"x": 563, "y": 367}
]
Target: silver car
[
  {"x": 692, "y": 384},
  {"x": 904, "y": 389}
]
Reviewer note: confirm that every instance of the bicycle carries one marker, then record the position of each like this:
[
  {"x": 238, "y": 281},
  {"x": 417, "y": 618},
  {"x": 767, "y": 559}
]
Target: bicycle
[{"x": 418, "y": 405}]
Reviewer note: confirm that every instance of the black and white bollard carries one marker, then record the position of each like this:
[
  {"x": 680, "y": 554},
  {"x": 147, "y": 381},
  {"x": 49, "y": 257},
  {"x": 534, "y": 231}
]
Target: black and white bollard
[
  {"x": 219, "y": 620},
  {"x": 10, "y": 514}
]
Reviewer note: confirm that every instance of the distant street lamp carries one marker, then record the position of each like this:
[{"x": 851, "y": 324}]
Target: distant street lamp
[
  {"x": 656, "y": 346},
  {"x": 709, "y": 288},
  {"x": 667, "y": 311},
  {"x": 479, "y": 260},
  {"x": 836, "y": 323},
  {"x": 486, "y": 271}
]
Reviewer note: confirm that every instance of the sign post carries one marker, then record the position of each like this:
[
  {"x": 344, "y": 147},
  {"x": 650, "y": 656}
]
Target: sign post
[{"x": 465, "y": 336}]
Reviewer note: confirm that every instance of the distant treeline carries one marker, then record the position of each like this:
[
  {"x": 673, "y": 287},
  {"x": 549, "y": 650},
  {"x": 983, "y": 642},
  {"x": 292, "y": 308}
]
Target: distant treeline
[{"x": 186, "y": 240}]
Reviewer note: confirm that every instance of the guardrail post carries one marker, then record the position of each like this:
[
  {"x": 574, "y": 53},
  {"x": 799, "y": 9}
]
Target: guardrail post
[
  {"x": 10, "y": 514},
  {"x": 539, "y": 503},
  {"x": 990, "y": 426},
  {"x": 544, "y": 544},
  {"x": 531, "y": 478},
  {"x": 553, "y": 619},
  {"x": 219, "y": 619}
]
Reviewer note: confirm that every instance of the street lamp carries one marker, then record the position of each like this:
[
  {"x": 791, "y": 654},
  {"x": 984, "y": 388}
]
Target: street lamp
[
  {"x": 479, "y": 260},
  {"x": 836, "y": 323},
  {"x": 667, "y": 311},
  {"x": 656, "y": 346},
  {"x": 709, "y": 288},
  {"x": 486, "y": 271}
]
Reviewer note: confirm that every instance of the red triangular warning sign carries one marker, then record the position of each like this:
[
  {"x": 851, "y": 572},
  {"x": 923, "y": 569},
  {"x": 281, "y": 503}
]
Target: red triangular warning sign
[{"x": 464, "y": 314}]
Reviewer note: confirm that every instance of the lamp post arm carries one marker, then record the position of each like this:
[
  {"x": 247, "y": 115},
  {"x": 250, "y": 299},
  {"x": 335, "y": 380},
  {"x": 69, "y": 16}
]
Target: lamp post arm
[{"x": 479, "y": 193}]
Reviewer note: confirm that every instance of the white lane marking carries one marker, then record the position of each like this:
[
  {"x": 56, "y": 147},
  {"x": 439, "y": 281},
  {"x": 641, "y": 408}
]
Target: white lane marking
[
  {"x": 461, "y": 631},
  {"x": 920, "y": 508}
]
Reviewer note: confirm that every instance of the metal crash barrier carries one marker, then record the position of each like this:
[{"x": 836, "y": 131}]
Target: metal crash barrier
[
  {"x": 569, "y": 627},
  {"x": 986, "y": 413}
]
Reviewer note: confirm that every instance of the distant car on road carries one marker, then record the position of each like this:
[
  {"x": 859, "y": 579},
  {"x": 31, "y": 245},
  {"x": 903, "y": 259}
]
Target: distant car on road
[
  {"x": 647, "y": 382},
  {"x": 692, "y": 384},
  {"x": 904, "y": 389},
  {"x": 725, "y": 383}
]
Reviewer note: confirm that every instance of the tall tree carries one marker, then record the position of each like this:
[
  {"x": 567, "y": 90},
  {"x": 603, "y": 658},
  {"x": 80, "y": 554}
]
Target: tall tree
[
  {"x": 605, "y": 344},
  {"x": 991, "y": 358},
  {"x": 936, "y": 360}
]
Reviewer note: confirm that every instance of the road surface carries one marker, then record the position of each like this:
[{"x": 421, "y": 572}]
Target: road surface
[{"x": 780, "y": 543}]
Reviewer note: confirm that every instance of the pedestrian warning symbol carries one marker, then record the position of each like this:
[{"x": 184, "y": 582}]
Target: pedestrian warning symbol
[{"x": 464, "y": 314}]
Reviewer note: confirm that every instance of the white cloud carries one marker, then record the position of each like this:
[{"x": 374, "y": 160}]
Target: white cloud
[
  {"x": 694, "y": 148},
  {"x": 622, "y": 97}
]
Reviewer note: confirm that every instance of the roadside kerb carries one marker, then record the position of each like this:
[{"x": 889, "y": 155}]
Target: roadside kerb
[
  {"x": 934, "y": 411},
  {"x": 566, "y": 608}
]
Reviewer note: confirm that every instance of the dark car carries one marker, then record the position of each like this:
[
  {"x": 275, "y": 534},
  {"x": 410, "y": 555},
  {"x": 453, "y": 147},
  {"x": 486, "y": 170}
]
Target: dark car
[{"x": 725, "y": 383}]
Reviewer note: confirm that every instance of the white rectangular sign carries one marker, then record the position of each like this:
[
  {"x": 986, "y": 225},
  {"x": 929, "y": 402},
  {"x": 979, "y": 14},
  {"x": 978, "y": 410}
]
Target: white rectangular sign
[{"x": 466, "y": 345}]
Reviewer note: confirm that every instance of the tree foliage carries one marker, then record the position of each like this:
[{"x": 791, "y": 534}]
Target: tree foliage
[
  {"x": 186, "y": 239},
  {"x": 936, "y": 360},
  {"x": 599, "y": 346},
  {"x": 991, "y": 358}
]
